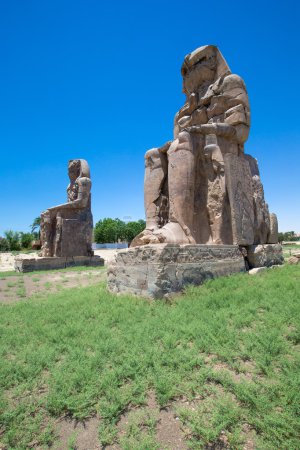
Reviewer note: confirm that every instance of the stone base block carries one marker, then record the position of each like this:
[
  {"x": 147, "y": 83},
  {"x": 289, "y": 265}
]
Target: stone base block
[
  {"x": 158, "y": 270},
  {"x": 29, "y": 264},
  {"x": 265, "y": 255}
]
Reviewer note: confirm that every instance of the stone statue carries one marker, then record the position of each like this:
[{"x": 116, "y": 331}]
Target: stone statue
[
  {"x": 66, "y": 230},
  {"x": 201, "y": 188}
]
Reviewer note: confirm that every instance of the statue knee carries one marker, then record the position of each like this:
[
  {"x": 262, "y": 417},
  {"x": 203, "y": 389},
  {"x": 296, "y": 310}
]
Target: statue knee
[
  {"x": 183, "y": 142},
  {"x": 154, "y": 159}
]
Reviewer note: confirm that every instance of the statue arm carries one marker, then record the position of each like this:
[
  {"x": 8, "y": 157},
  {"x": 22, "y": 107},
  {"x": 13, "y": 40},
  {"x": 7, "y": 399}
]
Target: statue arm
[
  {"x": 190, "y": 106},
  {"x": 237, "y": 113},
  {"x": 84, "y": 188},
  {"x": 229, "y": 98},
  {"x": 219, "y": 129}
]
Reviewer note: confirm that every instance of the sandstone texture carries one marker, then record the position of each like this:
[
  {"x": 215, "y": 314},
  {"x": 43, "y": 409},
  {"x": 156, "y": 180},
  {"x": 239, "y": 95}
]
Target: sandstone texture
[
  {"x": 206, "y": 213},
  {"x": 156, "y": 271},
  {"x": 201, "y": 188},
  {"x": 295, "y": 259},
  {"x": 30, "y": 264},
  {"x": 66, "y": 229},
  {"x": 264, "y": 255}
]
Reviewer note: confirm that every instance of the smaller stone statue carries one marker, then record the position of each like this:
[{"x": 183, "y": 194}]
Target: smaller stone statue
[{"x": 66, "y": 230}]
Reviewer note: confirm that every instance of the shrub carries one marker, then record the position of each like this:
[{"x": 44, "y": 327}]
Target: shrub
[
  {"x": 132, "y": 229},
  {"x": 26, "y": 239},
  {"x": 4, "y": 245},
  {"x": 13, "y": 239},
  {"x": 114, "y": 230}
]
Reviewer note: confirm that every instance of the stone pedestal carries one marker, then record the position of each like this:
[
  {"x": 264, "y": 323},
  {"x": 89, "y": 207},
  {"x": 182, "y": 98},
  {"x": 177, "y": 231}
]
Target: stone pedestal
[
  {"x": 158, "y": 270},
  {"x": 264, "y": 255},
  {"x": 29, "y": 264}
]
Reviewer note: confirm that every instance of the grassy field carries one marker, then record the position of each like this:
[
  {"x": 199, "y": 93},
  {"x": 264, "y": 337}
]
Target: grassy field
[
  {"x": 223, "y": 358},
  {"x": 288, "y": 250}
]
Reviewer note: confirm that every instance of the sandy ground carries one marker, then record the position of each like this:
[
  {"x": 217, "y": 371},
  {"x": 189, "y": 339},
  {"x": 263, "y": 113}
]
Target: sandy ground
[
  {"x": 23, "y": 286},
  {"x": 7, "y": 259}
]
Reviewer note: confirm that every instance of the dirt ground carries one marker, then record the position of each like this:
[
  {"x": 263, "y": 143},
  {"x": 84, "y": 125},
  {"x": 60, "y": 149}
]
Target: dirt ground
[
  {"x": 22, "y": 286},
  {"x": 168, "y": 430},
  {"x": 7, "y": 258}
]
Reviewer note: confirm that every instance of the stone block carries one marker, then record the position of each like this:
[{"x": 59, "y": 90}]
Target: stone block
[
  {"x": 266, "y": 255},
  {"x": 29, "y": 264},
  {"x": 257, "y": 270},
  {"x": 295, "y": 259},
  {"x": 158, "y": 270},
  {"x": 273, "y": 235}
]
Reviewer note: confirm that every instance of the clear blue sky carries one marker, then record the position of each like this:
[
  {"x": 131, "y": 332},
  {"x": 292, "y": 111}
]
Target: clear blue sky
[{"x": 101, "y": 81}]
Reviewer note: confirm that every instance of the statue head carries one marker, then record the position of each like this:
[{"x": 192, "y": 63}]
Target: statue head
[
  {"x": 78, "y": 168},
  {"x": 204, "y": 65}
]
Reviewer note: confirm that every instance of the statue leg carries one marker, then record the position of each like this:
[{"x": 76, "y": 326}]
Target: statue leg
[
  {"x": 155, "y": 199},
  {"x": 46, "y": 248},
  {"x": 216, "y": 189},
  {"x": 181, "y": 189},
  {"x": 58, "y": 236},
  {"x": 155, "y": 175},
  {"x": 181, "y": 183}
]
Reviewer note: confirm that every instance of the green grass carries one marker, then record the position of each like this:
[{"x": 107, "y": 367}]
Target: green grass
[
  {"x": 84, "y": 351},
  {"x": 288, "y": 250}
]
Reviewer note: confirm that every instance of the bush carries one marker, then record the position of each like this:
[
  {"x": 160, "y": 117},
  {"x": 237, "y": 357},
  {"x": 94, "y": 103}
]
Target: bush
[
  {"x": 114, "y": 230},
  {"x": 109, "y": 230},
  {"x": 13, "y": 239},
  {"x": 132, "y": 229},
  {"x": 4, "y": 245},
  {"x": 288, "y": 236},
  {"x": 26, "y": 239}
]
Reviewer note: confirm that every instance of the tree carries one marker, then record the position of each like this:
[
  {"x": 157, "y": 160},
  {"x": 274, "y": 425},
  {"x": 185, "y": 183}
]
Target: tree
[
  {"x": 13, "y": 240},
  {"x": 35, "y": 227},
  {"x": 114, "y": 230},
  {"x": 4, "y": 245},
  {"x": 132, "y": 229},
  {"x": 287, "y": 236},
  {"x": 109, "y": 230},
  {"x": 26, "y": 239}
]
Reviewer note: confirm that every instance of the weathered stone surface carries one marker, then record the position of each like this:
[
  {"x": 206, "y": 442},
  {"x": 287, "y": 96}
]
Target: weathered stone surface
[
  {"x": 201, "y": 188},
  {"x": 261, "y": 224},
  {"x": 157, "y": 270},
  {"x": 264, "y": 255},
  {"x": 23, "y": 264},
  {"x": 66, "y": 229},
  {"x": 273, "y": 234},
  {"x": 295, "y": 259},
  {"x": 239, "y": 185}
]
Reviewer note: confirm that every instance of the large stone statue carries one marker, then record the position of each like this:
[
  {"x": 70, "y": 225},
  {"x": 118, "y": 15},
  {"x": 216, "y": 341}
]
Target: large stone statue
[
  {"x": 66, "y": 230},
  {"x": 206, "y": 214},
  {"x": 201, "y": 188}
]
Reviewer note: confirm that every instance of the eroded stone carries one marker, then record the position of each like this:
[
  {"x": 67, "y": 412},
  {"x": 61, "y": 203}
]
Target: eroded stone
[
  {"x": 201, "y": 188},
  {"x": 66, "y": 229},
  {"x": 158, "y": 270}
]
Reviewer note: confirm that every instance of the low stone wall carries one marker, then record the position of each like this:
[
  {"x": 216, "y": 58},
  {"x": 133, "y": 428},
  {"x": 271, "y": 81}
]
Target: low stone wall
[
  {"x": 29, "y": 264},
  {"x": 157, "y": 270}
]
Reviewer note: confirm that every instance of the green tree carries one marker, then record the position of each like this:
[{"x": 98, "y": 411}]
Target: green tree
[
  {"x": 114, "y": 230},
  {"x": 132, "y": 229},
  {"x": 13, "y": 239},
  {"x": 4, "y": 245},
  {"x": 35, "y": 227},
  {"x": 287, "y": 236},
  {"x": 109, "y": 230},
  {"x": 26, "y": 239}
]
